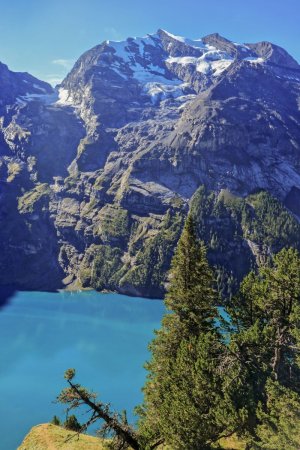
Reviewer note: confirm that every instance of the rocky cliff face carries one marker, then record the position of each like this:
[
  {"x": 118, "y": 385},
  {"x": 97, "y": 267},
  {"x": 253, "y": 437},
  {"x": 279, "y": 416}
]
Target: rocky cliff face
[{"x": 97, "y": 175}]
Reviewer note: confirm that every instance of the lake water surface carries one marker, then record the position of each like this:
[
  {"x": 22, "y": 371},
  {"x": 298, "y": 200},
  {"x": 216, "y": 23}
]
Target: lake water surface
[{"x": 103, "y": 336}]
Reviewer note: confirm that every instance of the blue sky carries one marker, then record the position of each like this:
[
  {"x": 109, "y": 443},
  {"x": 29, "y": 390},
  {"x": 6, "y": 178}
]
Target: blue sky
[{"x": 45, "y": 37}]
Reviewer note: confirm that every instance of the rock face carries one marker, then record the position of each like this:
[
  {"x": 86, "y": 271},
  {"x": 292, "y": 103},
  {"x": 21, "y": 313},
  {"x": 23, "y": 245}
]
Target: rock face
[{"x": 98, "y": 175}]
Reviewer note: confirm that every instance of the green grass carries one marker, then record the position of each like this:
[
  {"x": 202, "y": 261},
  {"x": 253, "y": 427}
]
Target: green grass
[
  {"x": 231, "y": 443},
  {"x": 52, "y": 437}
]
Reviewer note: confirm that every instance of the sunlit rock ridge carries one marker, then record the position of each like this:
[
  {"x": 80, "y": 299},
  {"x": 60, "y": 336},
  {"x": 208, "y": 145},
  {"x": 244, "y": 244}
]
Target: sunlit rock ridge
[{"x": 98, "y": 173}]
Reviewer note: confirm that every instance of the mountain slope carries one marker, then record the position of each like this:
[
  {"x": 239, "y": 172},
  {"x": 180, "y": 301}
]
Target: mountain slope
[
  {"x": 52, "y": 437},
  {"x": 101, "y": 173}
]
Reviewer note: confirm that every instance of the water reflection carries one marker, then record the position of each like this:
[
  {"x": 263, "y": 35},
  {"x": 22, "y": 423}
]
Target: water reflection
[{"x": 6, "y": 293}]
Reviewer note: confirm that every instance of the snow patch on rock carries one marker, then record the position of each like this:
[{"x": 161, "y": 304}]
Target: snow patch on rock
[
  {"x": 44, "y": 98},
  {"x": 255, "y": 60},
  {"x": 212, "y": 62},
  {"x": 64, "y": 97},
  {"x": 162, "y": 91}
]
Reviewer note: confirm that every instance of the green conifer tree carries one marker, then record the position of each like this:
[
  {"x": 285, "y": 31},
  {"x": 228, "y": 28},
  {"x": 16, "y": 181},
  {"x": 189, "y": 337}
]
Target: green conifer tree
[
  {"x": 279, "y": 419},
  {"x": 191, "y": 295},
  {"x": 185, "y": 405},
  {"x": 266, "y": 316}
]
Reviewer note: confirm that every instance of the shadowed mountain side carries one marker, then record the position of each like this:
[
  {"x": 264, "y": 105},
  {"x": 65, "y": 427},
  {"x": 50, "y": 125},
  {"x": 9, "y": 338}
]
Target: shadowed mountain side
[{"x": 99, "y": 174}]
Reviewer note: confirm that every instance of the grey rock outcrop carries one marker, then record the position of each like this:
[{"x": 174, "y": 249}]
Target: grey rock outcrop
[{"x": 103, "y": 166}]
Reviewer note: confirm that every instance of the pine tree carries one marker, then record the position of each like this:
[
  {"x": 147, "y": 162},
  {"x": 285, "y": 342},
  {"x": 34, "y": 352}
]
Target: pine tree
[
  {"x": 56, "y": 421},
  {"x": 113, "y": 424},
  {"x": 266, "y": 318},
  {"x": 191, "y": 295},
  {"x": 206, "y": 382},
  {"x": 185, "y": 405},
  {"x": 72, "y": 423},
  {"x": 270, "y": 302},
  {"x": 279, "y": 419}
]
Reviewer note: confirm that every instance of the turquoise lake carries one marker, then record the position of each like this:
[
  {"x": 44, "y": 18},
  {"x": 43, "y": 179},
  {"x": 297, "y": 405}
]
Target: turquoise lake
[{"x": 103, "y": 336}]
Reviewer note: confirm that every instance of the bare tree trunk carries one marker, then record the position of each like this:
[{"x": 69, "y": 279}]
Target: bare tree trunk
[
  {"x": 278, "y": 351},
  {"x": 121, "y": 430}
]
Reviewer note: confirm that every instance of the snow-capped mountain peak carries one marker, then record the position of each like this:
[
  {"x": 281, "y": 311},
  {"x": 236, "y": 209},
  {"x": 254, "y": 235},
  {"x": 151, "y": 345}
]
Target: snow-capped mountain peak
[
  {"x": 140, "y": 125},
  {"x": 164, "y": 66}
]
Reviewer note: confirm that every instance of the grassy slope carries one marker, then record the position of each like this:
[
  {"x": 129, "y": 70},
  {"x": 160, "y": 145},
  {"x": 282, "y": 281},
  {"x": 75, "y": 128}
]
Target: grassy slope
[
  {"x": 52, "y": 437},
  {"x": 231, "y": 443}
]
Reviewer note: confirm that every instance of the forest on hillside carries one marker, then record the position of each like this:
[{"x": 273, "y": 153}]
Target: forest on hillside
[{"x": 215, "y": 373}]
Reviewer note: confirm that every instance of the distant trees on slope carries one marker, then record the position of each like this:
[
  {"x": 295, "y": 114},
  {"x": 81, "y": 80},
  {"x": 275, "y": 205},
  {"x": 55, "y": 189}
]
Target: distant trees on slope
[{"x": 208, "y": 377}]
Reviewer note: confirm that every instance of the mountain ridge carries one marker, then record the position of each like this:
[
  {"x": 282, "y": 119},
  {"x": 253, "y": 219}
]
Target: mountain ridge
[{"x": 102, "y": 171}]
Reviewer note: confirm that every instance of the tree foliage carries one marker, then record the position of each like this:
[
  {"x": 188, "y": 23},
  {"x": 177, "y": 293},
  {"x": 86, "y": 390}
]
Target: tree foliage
[
  {"x": 113, "y": 424},
  {"x": 241, "y": 233},
  {"x": 184, "y": 400},
  {"x": 279, "y": 419},
  {"x": 208, "y": 377},
  {"x": 56, "y": 421},
  {"x": 72, "y": 423},
  {"x": 203, "y": 384},
  {"x": 266, "y": 317}
]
